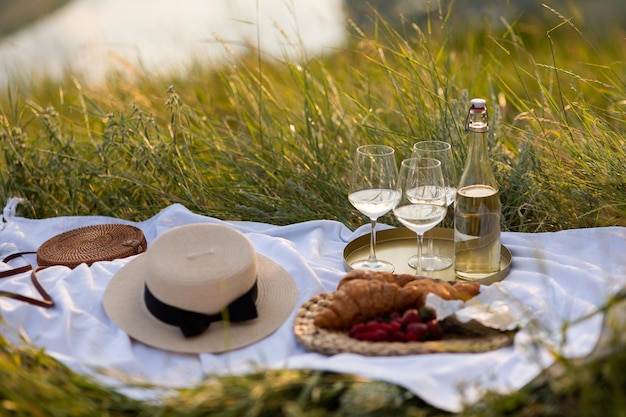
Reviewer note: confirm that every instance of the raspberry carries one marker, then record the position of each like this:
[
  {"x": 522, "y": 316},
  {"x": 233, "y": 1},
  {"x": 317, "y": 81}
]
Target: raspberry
[
  {"x": 395, "y": 316},
  {"x": 416, "y": 332},
  {"x": 357, "y": 328},
  {"x": 410, "y": 316},
  {"x": 434, "y": 332},
  {"x": 384, "y": 327},
  {"x": 366, "y": 335},
  {"x": 393, "y": 326},
  {"x": 411, "y": 326},
  {"x": 379, "y": 335},
  {"x": 398, "y": 336},
  {"x": 359, "y": 336}
]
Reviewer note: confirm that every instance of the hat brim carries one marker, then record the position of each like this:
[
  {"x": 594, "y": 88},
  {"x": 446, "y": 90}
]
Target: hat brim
[{"x": 124, "y": 304}]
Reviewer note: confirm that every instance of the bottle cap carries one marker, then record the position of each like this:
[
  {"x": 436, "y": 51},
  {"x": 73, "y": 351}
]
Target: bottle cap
[
  {"x": 477, "y": 116},
  {"x": 478, "y": 103}
]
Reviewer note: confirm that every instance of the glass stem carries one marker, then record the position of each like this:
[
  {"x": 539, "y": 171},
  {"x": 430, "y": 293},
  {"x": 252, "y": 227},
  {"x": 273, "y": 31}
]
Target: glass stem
[
  {"x": 372, "y": 257},
  {"x": 431, "y": 247},
  {"x": 418, "y": 264}
]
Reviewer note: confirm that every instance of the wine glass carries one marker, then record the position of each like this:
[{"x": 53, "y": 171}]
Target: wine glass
[
  {"x": 373, "y": 192},
  {"x": 441, "y": 151},
  {"x": 423, "y": 202}
]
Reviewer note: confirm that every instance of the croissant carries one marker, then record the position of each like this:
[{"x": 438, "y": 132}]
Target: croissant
[
  {"x": 460, "y": 290},
  {"x": 445, "y": 289},
  {"x": 398, "y": 279},
  {"x": 360, "y": 300},
  {"x": 361, "y": 296},
  {"x": 466, "y": 290}
]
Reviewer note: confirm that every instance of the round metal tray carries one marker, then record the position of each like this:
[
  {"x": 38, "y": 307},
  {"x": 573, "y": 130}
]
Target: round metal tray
[{"x": 398, "y": 244}]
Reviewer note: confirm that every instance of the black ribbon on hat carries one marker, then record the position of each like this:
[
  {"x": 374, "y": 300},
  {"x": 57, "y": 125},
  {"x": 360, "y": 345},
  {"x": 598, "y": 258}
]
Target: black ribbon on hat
[{"x": 192, "y": 323}]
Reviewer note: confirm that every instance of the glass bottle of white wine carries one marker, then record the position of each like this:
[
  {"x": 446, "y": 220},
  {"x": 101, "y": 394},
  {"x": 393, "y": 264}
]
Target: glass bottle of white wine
[{"x": 477, "y": 206}]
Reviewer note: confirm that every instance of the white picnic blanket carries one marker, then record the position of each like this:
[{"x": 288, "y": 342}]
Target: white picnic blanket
[{"x": 555, "y": 279}]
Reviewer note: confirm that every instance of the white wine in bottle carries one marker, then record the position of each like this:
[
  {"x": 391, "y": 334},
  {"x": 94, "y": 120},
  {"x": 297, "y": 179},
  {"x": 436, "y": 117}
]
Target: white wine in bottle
[{"x": 477, "y": 206}]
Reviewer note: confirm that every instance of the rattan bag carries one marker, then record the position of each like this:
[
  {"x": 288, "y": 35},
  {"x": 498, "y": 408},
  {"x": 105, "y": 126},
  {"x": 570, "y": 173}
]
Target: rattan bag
[{"x": 89, "y": 244}]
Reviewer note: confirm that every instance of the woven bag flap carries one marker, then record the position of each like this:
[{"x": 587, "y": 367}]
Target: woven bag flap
[{"x": 89, "y": 244}]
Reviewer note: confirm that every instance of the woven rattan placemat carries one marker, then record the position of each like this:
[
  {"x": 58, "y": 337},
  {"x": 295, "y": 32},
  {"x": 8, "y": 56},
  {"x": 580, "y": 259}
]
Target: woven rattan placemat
[
  {"x": 89, "y": 244},
  {"x": 456, "y": 339}
]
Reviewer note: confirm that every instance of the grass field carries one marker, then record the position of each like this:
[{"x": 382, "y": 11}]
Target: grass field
[{"x": 271, "y": 141}]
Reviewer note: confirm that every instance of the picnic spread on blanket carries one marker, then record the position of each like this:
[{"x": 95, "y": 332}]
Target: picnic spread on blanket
[{"x": 126, "y": 320}]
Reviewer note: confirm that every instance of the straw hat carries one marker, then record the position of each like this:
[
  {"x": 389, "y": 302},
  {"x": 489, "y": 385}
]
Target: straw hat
[{"x": 208, "y": 283}]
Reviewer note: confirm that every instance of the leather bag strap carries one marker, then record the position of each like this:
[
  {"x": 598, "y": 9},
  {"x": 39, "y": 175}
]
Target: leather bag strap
[{"x": 45, "y": 302}]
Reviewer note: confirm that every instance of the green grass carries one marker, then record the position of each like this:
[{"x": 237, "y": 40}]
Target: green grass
[{"x": 271, "y": 141}]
